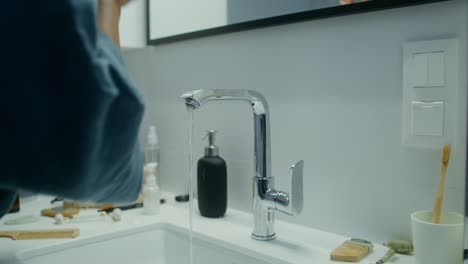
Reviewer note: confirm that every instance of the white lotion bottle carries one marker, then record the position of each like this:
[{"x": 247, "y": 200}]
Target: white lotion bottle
[{"x": 151, "y": 192}]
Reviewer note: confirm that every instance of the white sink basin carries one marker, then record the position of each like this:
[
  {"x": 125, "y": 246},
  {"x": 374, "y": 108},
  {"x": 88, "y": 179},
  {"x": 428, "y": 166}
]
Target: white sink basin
[
  {"x": 164, "y": 239},
  {"x": 158, "y": 244}
]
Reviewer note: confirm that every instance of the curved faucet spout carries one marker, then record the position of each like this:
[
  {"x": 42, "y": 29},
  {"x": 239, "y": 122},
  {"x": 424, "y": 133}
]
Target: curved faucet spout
[{"x": 195, "y": 99}]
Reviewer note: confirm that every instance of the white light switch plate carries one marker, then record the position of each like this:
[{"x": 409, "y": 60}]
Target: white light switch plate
[{"x": 430, "y": 88}]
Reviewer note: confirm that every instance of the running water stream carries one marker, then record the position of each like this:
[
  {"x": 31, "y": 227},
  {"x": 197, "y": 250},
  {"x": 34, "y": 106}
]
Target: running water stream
[{"x": 190, "y": 182}]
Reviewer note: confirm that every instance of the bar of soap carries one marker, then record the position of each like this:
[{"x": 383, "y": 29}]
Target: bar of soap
[{"x": 349, "y": 252}]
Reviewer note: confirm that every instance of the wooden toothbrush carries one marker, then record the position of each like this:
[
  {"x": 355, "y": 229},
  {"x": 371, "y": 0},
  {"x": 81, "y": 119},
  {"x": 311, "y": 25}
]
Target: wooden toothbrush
[{"x": 440, "y": 193}]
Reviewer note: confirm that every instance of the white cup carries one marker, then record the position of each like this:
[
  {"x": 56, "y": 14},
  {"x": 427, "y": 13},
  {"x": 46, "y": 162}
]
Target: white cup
[{"x": 437, "y": 243}]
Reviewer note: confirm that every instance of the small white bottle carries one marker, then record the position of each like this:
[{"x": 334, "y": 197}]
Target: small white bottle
[{"x": 151, "y": 192}]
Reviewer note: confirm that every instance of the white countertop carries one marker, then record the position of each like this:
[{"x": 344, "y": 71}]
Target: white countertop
[{"x": 294, "y": 243}]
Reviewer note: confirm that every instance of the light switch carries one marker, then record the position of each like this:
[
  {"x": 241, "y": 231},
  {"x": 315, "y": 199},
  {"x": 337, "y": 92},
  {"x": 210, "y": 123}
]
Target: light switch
[
  {"x": 436, "y": 69},
  {"x": 420, "y": 69},
  {"x": 427, "y": 118},
  {"x": 429, "y": 69}
]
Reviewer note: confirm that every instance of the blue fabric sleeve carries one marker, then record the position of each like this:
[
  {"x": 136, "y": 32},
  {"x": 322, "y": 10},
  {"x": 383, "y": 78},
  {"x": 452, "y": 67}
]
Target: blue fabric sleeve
[{"x": 70, "y": 114}]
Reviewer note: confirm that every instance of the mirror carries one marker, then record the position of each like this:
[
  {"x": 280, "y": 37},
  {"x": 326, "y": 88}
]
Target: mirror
[{"x": 173, "y": 20}]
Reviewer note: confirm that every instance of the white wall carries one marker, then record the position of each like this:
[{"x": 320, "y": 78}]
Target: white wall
[{"x": 334, "y": 89}]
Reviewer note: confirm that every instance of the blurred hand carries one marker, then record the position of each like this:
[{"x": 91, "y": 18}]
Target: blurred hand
[
  {"x": 347, "y": 2},
  {"x": 108, "y": 17},
  {"x": 113, "y": 2},
  {"x": 124, "y": 2}
]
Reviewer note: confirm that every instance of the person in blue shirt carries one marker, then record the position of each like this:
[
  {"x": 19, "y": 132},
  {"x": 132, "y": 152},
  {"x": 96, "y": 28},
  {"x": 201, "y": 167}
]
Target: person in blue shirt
[{"x": 69, "y": 112}]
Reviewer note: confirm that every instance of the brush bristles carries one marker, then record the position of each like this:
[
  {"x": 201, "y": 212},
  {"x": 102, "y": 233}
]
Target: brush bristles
[
  {"x": 41, "y": 234},
  {"x": 446, "y": 153},
  {"x": 45, "y": 235}
]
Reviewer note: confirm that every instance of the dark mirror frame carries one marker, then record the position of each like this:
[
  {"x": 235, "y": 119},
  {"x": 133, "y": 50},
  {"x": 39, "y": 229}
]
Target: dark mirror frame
[{"x": 350, "y": 9}]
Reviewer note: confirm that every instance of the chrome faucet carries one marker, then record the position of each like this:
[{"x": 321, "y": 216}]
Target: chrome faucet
[{"x": 266, "y": 200}]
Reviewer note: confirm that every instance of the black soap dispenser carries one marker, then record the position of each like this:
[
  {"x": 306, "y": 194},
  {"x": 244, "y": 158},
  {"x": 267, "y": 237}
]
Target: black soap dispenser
[{"x": 212, "y": 181}]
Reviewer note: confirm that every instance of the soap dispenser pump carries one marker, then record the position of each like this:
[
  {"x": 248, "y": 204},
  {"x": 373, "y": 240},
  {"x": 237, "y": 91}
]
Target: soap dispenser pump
[{"x": 212, "y": 180}]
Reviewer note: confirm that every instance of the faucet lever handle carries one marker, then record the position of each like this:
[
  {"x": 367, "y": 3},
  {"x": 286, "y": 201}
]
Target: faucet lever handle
[{"x": 297, "y": 187}]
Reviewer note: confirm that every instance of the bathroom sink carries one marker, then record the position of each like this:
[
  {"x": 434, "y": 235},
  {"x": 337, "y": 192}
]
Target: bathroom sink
[{"x": 158, "y": 244}]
